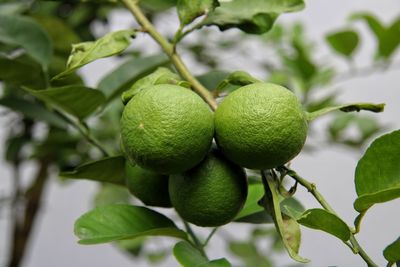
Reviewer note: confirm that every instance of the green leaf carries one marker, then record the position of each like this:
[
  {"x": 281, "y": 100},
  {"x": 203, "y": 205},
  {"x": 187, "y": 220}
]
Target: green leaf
[
  {"x": 256, "y": 16},
  {"x": 76, "y": 100},
  {"x": 377, "y": 176},
  {"x": 255, "y": 193},
  {"x": 160, "y": 76},
  {"x": 346, "y": 108},
  {"x": 286, "y": 226},
  {"x": 26, "y": 33},
  {"x": 292, "y": 207},
  {"x": 121, "y": 78},
  {"x": 188, "y": 10},
  {"x": 189, "y": 256},
  {"x": 344, "y": 42},
  {"x": 110, "y": 170},
  {"x": 83, "y": 53},
  {"x": 392, "y": 251},
  {"x": 325, "y": 221},
  {"x": 388, "y": 38},
  {"x": 21, "y": 71},
  {"x": 33, "y": 110},
  {"x": 119, "y": 221}
]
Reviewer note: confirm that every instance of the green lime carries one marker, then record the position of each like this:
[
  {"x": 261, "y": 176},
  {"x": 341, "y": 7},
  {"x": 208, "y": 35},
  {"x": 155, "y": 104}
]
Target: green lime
[
  {"x": 210, "y": 194},
  {"x": 166, "y": 129},
  {"x": 149, "y": 187},
  {"x": 260, "y": 126}
]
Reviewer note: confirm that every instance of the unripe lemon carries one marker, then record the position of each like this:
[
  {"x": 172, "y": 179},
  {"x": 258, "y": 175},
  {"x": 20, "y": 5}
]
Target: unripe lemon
[
  {"x": 149, "y": 187},
  {"x": 260, "y": 126},
  {"x": 166, "y": 129},
  {"x": 210, "y": 194}
]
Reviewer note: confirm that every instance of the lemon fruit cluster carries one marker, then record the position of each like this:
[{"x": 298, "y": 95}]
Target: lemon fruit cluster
[
  {"x": 166, "y": 129},
  {"x": 260, "y": 126}
]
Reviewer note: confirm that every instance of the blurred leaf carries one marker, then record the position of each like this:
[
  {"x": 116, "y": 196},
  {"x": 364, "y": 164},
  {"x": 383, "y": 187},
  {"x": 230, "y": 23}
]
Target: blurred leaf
[
  {"x": 388, "y": 38},
  {"x": 392, "y": 252},
  {"x": 111, "y": 194},
  {"x": 13, "y": 147},
  {"x": 21, "y": 71},
  {"x": 344, "y": 42},
  {"x": 377, "y": 176},
  {"x": 188, "y": 10},
  {"x": 121, "y": 78},
  {"x": 131, "y": 246},
  {"x": 158, "y": 5},
  {"x": 76, "y": 100},
  {"x": 83, "y": 53},
  {"x": 255, "y": 16},
  {"x": 366, "y": 127},
  {"x": 325, "y": 221},
  {"x": 118, "y": 222},
  {"x": 287, "y": 227},
  {"x": 249, "y": 254},
  {"x": 110, "y": 170},
  {"x": 33, "y": 110},
  {"x": 157, "y": 256},
  {"x": 13, "y": 8},
  {"x": 321, "y": 103},
  {"x": 61, "y": 34},
  {"x": 188, "y": 256},
  {"x": 26, "y": 33},
  {"x": 212, "y": 79}
]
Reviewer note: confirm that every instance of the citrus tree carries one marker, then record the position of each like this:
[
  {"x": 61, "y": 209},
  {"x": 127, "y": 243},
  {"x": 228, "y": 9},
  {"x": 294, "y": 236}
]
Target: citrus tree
[{"x": 211, "y": 149}]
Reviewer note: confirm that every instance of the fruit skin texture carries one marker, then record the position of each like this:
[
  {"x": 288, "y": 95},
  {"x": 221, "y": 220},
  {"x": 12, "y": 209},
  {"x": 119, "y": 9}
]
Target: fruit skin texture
[
  {"x": 260, "y": 126},
  {"x": 149, "y": 187},
  {"x": 212, "y": 193},
  {"x": 166, "y": 129}
]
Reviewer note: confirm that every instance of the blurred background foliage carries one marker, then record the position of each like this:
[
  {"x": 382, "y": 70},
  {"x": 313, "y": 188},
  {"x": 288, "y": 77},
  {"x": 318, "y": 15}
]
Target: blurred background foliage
[{"x": 39, "y": 132}]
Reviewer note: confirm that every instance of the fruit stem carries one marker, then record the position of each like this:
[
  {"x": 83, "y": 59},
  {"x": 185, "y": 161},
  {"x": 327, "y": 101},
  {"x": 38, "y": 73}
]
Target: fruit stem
[
  {"x": 210, "y": 236},
  {"x": 169, "y": 49},
  {"x": 311, "y": 187},
  {"x": 196, "y": 241}
]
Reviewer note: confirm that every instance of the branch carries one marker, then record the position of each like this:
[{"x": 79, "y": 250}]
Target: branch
[
  {"x": 84, "y": 131},
  {"x": 170, "y": 51},
  {"x": 22, "y": 229},
  {"x": 311, "y": 187}
]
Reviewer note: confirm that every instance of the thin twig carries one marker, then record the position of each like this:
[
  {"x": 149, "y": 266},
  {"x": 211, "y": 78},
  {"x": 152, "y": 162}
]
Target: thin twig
[
  {"x": 311, "y": 187},
  {"x": 84, "y": 131},
  {"x": 196, "y": 241},
  {"x": 168, "y": 48},
  {"x": 210, "y": 236}
]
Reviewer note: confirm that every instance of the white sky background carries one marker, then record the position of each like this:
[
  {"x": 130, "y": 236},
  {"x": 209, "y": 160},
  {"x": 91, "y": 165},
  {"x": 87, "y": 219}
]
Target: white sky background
[{"x": 332, "y": 169}]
